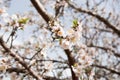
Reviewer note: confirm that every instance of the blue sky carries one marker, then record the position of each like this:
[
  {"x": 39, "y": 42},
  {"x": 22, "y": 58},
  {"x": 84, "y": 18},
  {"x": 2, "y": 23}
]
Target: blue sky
[{"x": 19, "y": 6}]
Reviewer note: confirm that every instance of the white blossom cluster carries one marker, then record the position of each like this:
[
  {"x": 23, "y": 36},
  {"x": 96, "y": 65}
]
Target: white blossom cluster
[
  {"x": 84, "y": 57},
  {"x": 67, "y": 38},
  {"x": 14, "y": 20}
]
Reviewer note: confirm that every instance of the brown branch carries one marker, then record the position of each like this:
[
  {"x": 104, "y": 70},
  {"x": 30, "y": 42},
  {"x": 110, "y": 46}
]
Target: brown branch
[
  {"x": 71, "y": 61},
  {"x": 36, "y": 54},
  {"x": 19, "y": 59},
  {"x": 106, "y": 49},
  {"x": 54, "y": 78},
  {"x": 54, "y": 61},
  {"x": 70, "y": 57},
  {"x": 41, "y": 10},
  {"x": 103, "y": 67},
  {"x": 100, "y": 18},
  {"x": 17, "y": 70}
]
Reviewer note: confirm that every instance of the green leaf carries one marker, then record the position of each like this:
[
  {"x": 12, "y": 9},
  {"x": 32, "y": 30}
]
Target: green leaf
[
  {"x": 75, "y": 65},
  {"x": 59, "y": 74},
  {"x": 23, "y": 20},
  {"x": 75, "y": 23}
]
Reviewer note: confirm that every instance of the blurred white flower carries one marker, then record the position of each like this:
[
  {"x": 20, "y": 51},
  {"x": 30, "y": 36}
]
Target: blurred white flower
[
  {"x": 14, "y": 17},
  {"x": 70, "y": 32},
  {"x": 32, "y": 62},
  {"x": 65, "y": 44},
  {"x": 92, "y": 73},
  {"x": 49, "y": 66},
  {"x": 43, "y": 52},
  {"x": 56, "y": 23},
  {"x": 88, "y": 60},
  {"x": 75, "y": 35},
  {"x": 79, "y": 28},
  {"x": 55, "y": 28},
  {"x": 60, "y": 32},
  {"x": 17, "y": 24}
]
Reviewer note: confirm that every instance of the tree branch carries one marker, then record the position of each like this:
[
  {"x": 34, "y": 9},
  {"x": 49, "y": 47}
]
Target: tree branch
[
  {"x": 100, "y": 18},
  {"x": 103, "y": 67},
  {"x": 71, "y": 61},
  {"x": 106, "y": 49},
  {"x": 17, "y": 70},
  {"x": 39, "y": 7},
  {"x": 54, "y": 78},
  {"x": 19, "y": 59},
  {"x": 54, "y": 61}
]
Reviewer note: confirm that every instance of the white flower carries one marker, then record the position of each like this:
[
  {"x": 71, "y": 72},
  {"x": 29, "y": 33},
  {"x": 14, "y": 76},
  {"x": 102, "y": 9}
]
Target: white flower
[
  {"x": 49, "y": 65},
  {"x": 70, "y": 32},
  {"x": 14, "y": 17},
  {"x": 92, "y": 73},
  {"x": 77, "y": 36},
  {"x": 56, "y": 23},
  {"x": 65, "y": 44},
  {"x": 17, "y": 24},
  {"x": 61, "y": 32},
  {"x": 32, "y": 62},
  {"x": 5, "y": 14},
  {"x": 43, "y": 53},
  {"x": 79, "y": 28},
  {"x": 74, "y": 36},
  {"x": 55, "y": 28},
  {"x": 71, "y": 35}
]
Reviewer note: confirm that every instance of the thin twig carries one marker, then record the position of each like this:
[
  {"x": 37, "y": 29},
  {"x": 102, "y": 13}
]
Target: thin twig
[{"x": 103, "y": 67}]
